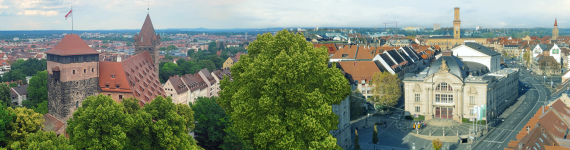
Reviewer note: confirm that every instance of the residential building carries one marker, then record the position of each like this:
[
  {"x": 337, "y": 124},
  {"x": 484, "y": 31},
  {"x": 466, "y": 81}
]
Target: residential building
[
  {"x": 19, "y": 94},
  {"x": 187, "y": 88},
  {"x": 231, "y": 61},
  {"x": 547, "y": 129},
  {"x": 546, "y": 59},
  {"x": 362, "y": 73},
  {"x": 453, "y": 86}
]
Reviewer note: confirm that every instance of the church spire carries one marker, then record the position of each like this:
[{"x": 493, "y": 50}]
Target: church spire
[{"x": 555, "y": 22}]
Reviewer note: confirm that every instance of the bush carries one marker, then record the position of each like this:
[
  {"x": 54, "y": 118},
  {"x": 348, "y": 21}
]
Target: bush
[
  {"x": 466, "y": 120},
  {"x": 411, "y": 117}
]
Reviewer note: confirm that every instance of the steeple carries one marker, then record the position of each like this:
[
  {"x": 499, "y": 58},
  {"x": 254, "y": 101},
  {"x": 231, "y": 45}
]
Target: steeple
[
  {"x": 147, "y": 35},
  {"x": 555, "y": 22},
  {"x": 148, "y": 40}
]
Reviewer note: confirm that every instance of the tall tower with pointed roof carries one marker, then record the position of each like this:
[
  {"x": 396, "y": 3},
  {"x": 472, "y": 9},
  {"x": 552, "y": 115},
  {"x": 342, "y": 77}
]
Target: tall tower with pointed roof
[
  {"x": 555, "y": 30},
  {"x": 73, "y": 74},
  {"x": 148, "y": 40}
]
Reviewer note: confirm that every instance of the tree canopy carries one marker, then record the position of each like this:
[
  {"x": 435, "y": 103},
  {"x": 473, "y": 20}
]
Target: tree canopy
[
  {"x": 25, "y": 122},
  {"x": 37, "y": 90},
  {"x": 99, "y": 123},
  {"x": 212, "y": 120},
  {"x": 282, "y": 92},
  {"x": 386, "y": 89},
  {"x": 5, "y": 95}
]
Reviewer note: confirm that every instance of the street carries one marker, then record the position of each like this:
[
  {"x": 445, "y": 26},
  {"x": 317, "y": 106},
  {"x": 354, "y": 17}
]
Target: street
[{"x": 503, "y": 133}]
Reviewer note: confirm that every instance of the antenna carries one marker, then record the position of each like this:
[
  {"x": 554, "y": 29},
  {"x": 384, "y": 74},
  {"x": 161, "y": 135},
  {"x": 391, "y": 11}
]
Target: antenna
[{"x": 147, "y": 7}]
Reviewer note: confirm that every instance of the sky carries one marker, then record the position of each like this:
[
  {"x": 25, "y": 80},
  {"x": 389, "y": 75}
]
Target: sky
[{"x": 223, "y": 14}]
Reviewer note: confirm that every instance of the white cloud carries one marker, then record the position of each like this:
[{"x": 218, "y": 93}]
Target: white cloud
[{"x": 38, "y": 13}]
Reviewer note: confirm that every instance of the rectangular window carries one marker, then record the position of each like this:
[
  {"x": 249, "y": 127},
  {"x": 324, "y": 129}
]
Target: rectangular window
[
  {"x": 73, "y": 71},
  {"x": 472, "y": 100},
  {"x": 443, "y": 98},
  {"x": 120, "y": 96},
  {"x": 450, "y": 99},
  {"x": 417, "y": 97},
  {"x": 471, "y": 112},
  {"x": 437, "y": 99},
  {"x": 417, "y": 108}
]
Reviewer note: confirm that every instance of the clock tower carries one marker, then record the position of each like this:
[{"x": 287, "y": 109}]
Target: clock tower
[{"x": 456, "y": 24}]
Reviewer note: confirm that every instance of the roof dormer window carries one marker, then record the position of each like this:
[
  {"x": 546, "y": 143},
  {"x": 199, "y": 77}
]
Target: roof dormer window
[{"x": 113, "y": 76}]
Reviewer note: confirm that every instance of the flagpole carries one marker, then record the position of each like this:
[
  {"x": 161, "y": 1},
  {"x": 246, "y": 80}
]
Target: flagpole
[{"x": 71, "y": 19}]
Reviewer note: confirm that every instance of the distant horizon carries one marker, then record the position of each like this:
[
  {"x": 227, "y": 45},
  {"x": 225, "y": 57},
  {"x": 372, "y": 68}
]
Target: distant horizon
[
  {"x": 22, "y": 15},
  {"x": 274, "y": 28}
]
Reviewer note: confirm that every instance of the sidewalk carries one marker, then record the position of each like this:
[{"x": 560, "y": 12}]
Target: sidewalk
[{"x": 512, "y": 109}]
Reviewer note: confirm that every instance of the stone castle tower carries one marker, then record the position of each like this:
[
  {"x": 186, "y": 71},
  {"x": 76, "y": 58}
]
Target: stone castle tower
[
  {"x": 555, "y": 30},
  {"x": 456, "y": 24},
  {"x": 73, "y": 74},
  {"x": 148, "y": 40}
]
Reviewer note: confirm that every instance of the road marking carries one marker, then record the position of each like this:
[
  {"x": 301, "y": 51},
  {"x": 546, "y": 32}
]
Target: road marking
[
  {"x": 492, "y": 141},
  {"x": 523, "y": 118},
  {"x": 496, "y": 137}
]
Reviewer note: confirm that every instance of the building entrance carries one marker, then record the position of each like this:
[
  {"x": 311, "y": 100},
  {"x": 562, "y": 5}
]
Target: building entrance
[{"x": 443, "y": 112}]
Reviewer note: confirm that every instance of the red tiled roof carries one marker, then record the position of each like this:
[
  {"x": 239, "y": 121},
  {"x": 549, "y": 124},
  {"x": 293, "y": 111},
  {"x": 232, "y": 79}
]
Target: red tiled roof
[
  {"x": 53, "y": 124},
  {"x": 360, "y": 70},
  {"x": 71, "y": 44},
  {"x": 147, "y": 36},
  {"x": 111, "y": 75},
  {"x": 331, "y": 48},
  {"x": 349, "y": 50},
  {"x": 144, "y": 82},
  {"x": 365, "y": 52}
]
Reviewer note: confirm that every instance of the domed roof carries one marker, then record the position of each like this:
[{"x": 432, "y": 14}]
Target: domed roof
[{"x": 454, "y": 66}]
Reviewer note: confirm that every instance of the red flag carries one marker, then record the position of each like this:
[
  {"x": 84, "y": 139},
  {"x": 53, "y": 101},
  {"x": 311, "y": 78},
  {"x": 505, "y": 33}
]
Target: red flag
[{"x": 68, "y": 14}]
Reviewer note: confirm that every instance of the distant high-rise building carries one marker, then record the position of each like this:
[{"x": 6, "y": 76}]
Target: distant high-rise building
[
  {"x": 555, "y": 30},
  {"x": 436, "y": 26},
  {"x": 148, "y": 40},
  {"x": 478, "y": 28}
]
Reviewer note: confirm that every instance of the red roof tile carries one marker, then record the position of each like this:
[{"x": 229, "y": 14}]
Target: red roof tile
[
  {"x": 71, "y": 44},
  {"x": 147, "y": 36},
  {"x": 360, "y": 70},
  {"x": 331, "y": 48},
  {"x": 111, "y": 75},
  {"x": 53, "y": 124},
  {"x": 144, "y": 82}
]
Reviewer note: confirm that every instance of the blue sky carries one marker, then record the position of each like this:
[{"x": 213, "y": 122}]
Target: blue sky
[{"x": 129, "y": 14}]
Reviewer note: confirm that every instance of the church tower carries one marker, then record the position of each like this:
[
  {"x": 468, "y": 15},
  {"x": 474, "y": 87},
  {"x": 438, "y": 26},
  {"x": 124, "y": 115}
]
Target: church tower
[
  {"x": 456, "y": 24},
  {"x": 73, "y": 74},
  {"x": 555, "y": 30},
  {"x": 148, "y": 40}
]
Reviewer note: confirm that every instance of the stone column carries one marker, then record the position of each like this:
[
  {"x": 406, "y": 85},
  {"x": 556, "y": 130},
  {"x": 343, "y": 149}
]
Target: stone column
[
  {"x": 427, "y": 98},
  {"x": 456, "y": 103},
  {"x": 429, "y": 114},
  {"x": 461, "y": 103}
]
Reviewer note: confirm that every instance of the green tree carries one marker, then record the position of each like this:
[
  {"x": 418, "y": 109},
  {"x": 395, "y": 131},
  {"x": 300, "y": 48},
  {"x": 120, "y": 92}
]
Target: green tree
[
  {"x": 526, "y": 57},
  {"x": 169, "y": 130},
  {"x": 139, "y": 135},
  {"x": 356, "y": 141},
  {"x": 13, "y": 84},
  {"x": 14, "y": 75},
  {"x": 48, "y": 141},
  {"x": 436, "y": 144},
  {"x": 212, "y": 46},
  {"x": 282, "y": 92},
  {"x": 26, "y": 121},
  {"x": 356, "y": 105},
  {"x": 37, "y": 90},
  {"x": 186, "y": 112},
  {"x": 375, "y": 135},
  {"x": 99, "y": 123},
  {"x": 6, "y": 118},
  {"x": 386, "y": 89},
  {"x": 212, "y": 120},
  {"x": 131, "y": 105},
  {"x": 206, "y": 64},
  {"x": 41, "y": 108},
  {"x": 234, "y": 141},
  {"x": 5, "y": 95}
]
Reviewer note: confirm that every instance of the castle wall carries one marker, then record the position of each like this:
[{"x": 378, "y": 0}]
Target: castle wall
[
  {"x": 65, "y": 97},
  {"x": 82, "y": 71}
]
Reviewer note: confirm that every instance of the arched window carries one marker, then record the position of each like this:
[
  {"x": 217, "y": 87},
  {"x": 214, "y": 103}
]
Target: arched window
[{"x": 443, "y": 87}]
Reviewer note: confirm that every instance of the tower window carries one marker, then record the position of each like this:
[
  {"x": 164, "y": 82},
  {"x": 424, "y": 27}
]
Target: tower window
[
  {"x": 73, "y": 71},
  {"x": 84, "y": 70},
  {"x": 92, "y": 69},
  {"x": 76, "y": 104},
  {"x": 120, "y": 96}
]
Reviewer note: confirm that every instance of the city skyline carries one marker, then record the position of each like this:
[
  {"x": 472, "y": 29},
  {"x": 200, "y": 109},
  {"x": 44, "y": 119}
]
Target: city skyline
[{"x": 226, "y": 14}]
